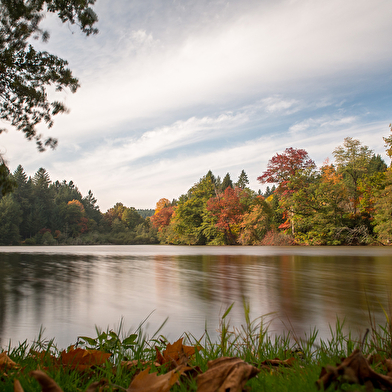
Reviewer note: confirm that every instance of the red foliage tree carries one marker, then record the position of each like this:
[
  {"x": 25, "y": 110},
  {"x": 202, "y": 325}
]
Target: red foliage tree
[
  {"x": 162, "y": 218},
  {"x": 284, "y": 166},
  {"x": 229, "y": 211}
]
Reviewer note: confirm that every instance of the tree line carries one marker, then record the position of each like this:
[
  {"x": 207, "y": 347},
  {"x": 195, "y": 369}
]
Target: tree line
[
  {"x": 344, "y": 202},
  {"x": 39, "y": 211}
]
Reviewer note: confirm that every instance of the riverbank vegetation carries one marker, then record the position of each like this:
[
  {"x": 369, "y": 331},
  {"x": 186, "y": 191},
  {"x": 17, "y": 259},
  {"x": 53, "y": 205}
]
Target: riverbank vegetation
[
  {"x": 344, "y": 202},
  {"x": 244, "y": 358}
]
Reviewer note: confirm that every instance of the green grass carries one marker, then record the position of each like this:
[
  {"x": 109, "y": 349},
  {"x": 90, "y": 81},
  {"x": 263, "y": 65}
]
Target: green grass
[{"x": 251, "y": 342}]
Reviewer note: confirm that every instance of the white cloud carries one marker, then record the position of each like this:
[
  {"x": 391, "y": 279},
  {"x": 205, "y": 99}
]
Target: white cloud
[
  {"x": 273, "y": 46},
  {"x": 321, "y": 122},
  {"x": 168, "y": 94}
]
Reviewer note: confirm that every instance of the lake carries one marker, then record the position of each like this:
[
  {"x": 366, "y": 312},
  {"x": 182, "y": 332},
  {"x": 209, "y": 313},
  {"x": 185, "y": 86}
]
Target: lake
[{"x": 70, "y": 289}]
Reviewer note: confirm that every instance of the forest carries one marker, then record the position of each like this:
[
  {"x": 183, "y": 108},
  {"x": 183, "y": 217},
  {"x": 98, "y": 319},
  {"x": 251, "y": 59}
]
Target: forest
[
  {"x": 344, "y": 202},
  {"x": 41, "y": 212}
]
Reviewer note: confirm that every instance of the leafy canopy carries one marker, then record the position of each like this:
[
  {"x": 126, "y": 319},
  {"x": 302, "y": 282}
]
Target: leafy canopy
[{"x": 25, "y": 73}]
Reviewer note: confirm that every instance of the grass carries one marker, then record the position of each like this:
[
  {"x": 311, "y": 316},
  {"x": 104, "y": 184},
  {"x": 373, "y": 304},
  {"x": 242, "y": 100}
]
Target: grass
[{"x": 251, "y": 342}]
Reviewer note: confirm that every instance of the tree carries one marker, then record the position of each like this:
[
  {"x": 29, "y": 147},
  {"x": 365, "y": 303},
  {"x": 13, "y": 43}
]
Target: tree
[
  {"x": 243, "y": 180},
  {"x": 228, "y": 210},
  {"x": 388, "y": 143},
  {"x": 376, "y": 165},
  {"x": 23, "y": 194},
  {"x": 282, "y": 167},
  {"x": 26, "y": 74},
  {"x": 352, "y": 161},
  {"x": 162, "y": 218},
  {"x": 7, "y": 183},
  {"x": 10, "y": 218},
  {"x": 73, "y": 215},
  {"x": 256, "y": 222},
  {"x": 131, "y": 218},
  {"x": 161, "y": 203},
  {"x": 318, "y": 207},
  {"x": 186, "y": 225},
  {"x": 43, "y": 201},
  {"x": 383, "y": 211},
  {"x": 226, "y": 182}
]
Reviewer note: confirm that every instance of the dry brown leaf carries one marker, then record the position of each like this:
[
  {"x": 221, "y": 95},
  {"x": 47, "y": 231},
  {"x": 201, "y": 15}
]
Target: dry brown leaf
[
  {"x": 145, "y": 382},
  {"x": 131, "y": 364},
  {"x": 17, "y": 386},
  {"x": 93, "y": 386},
  {"x": 6, "y": 361},
  {"x": 226, "y": 373},
  {"x": 176, "y": 354},
  {"x": 42, "y": 355},
  {"x": 46, "y": 382},
  {"x": 80, "y": 359},
  {"x": 279, "y": 362},
  {"x": 354, "y": 369}
]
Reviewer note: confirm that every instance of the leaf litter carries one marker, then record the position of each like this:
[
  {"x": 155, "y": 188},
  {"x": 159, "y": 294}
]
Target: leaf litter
[{"x": 176, "y": 364}]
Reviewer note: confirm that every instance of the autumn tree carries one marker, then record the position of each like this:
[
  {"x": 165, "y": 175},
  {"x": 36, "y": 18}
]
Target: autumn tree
[
  {"x": 115, "y": 212},
  {"x": 74, "y": 218},
  {"x": 383, "y": 201},
  {"x": 318, "y": 207},
  {"x": 228, "y": 210},
  {"x": 383, "y": 211},
  {"x": 352, "y": 161},
  {"x": 163, "y": 213},
  {"x": 255, "y": 222},
  {"x": 161, "y": 203},
  {"x": 388, "y": 143},
  {"x": 186, "y": 225},
  {"x": 282, "y": 167}
]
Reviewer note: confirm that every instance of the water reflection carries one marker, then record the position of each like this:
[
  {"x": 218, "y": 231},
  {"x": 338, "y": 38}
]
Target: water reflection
[{"x": 69, "y": 293}]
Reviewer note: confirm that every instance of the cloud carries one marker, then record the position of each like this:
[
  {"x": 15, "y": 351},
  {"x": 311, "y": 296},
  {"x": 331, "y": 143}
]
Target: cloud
[
  {"x": 266, "y": 48},
  {"x": 322, "y": 122},
  {"x": 170, "y": 90}
]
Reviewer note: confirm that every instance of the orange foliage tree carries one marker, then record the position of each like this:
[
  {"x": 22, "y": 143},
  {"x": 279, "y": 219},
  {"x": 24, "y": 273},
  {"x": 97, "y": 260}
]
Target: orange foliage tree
[{"x": 228, "y": 210}]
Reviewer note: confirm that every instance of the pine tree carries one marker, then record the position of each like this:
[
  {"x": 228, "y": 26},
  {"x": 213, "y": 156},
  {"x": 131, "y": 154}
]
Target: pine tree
[
  {"x": 243, "y": 180},
  {"x": 226, "y": 182}
]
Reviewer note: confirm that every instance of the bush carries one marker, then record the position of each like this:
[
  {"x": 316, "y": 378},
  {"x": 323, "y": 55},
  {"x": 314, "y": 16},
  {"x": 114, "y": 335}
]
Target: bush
[{"x": 274, "y": 238}]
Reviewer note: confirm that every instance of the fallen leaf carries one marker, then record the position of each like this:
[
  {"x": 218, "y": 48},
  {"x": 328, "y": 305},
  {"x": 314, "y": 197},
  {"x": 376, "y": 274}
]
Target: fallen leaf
[
  {"x": 6, "y": 361},
  {"x": 93, "y": 386},
  {"x": 226, "y": 374},
  {"x": 176, "y": 354},
  {"x": 42, "y": 355},
  {"x": 47, "y": 383},
  {"x": 354, "y": 369},
  {"x": 17, "y": 386},
  {"x": 80, "y": 359},
  {"x": 146, "y": 382},
  {"x": 131, "y": 364},
  {"x": 279, "y": 362}
]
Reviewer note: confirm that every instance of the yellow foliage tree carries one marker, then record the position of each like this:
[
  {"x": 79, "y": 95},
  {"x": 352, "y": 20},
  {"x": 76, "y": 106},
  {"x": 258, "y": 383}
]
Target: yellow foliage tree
[{"x": 161, "y": 203}]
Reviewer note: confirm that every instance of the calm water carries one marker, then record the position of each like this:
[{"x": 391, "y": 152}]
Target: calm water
[{"x": 69, "y": 290}]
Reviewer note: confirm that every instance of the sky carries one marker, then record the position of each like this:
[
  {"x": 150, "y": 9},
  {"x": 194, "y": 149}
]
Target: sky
[{"x": 171, "y": 89}]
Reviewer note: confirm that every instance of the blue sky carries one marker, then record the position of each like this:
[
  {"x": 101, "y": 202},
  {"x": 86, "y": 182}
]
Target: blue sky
[{"x": 171, "y": 89}]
